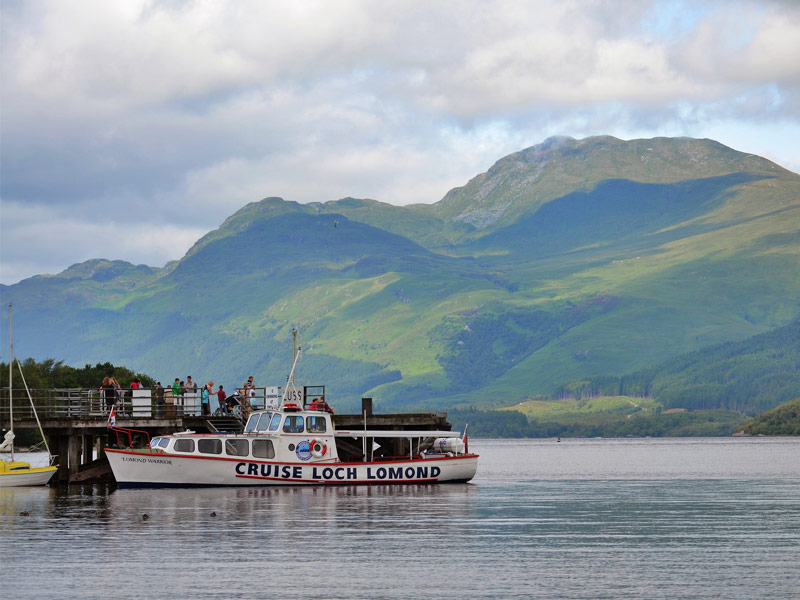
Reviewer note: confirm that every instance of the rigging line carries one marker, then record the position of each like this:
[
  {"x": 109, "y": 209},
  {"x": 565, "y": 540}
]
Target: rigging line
[{"x": 35, "y": 414}]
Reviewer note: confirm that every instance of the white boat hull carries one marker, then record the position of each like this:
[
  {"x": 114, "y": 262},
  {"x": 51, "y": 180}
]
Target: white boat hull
[
  {"x": 27, "y": 478},
  {"x": 143, "y": 468}
]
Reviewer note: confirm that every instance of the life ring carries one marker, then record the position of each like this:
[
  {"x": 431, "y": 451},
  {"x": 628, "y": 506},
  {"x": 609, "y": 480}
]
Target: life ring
[{"x": 322, "y": 451}]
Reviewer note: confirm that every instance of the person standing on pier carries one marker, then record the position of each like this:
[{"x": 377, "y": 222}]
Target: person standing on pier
[
  {"x": 190, "y": 390},
  {"x": 109, "y": 393},
  {"x": 221, "y": 397},
  {"x": 159, "y": 399},
  {"x": 118, "y": 389},
  {"x": 251, "y": 392},
  {"x": 176, "y": 395},
  {"x": 205, "y": 396}
]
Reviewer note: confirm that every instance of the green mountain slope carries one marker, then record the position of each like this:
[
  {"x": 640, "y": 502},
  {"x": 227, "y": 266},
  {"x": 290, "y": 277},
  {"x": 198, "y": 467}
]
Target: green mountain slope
[
  {"x": 748, "y": 376},
  {"x": 598, "y": 257}
]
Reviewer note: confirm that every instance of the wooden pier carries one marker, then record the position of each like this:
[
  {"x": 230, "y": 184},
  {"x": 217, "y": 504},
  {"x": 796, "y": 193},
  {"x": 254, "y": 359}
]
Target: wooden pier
[{"x": 75, "y": 424}]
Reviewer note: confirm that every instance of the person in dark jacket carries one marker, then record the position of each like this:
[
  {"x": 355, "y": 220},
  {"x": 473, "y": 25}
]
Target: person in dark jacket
[
  {"x": 109, "y": 393},
  {"x": 159, "y": 399}
]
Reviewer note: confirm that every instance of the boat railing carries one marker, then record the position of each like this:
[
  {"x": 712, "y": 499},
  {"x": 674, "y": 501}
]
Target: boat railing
[{"x": 126, "y": 434}]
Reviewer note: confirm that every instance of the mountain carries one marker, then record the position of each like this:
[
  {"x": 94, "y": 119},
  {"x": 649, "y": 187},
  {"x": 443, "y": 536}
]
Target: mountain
[
  {"x": 568, "y": 260},
  {"x": 523, "y": 182}
]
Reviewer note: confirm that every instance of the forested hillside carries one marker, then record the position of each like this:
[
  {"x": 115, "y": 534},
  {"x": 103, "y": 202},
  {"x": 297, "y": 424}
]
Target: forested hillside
[
  {"x": 514, "y": 424},
  {"x": 781, "y": 420},
  {"x": 750, "y": 376}
]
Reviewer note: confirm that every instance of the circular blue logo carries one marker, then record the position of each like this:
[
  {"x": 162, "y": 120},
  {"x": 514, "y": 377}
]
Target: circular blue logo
[{"x": 303, "y": 450}]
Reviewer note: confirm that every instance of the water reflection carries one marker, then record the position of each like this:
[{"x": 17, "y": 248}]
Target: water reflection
[{"x": 292, "y": 510}]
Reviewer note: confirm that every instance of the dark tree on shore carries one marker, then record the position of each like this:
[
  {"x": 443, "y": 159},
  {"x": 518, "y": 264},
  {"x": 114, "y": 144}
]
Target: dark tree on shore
[{"x": 51, "y": 373}]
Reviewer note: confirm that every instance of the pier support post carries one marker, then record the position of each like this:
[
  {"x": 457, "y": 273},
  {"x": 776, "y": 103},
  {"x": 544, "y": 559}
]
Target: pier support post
[
  {"x": 74, "y": 453},
  {"x": 88, "y": 442},
  {"x": 100, "y": 446},
  {"x": 63, "y": 458}
]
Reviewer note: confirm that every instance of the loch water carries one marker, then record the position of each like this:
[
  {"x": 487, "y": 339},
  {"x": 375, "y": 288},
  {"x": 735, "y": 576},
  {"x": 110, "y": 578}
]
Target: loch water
[{"x": 604, "y": 518}]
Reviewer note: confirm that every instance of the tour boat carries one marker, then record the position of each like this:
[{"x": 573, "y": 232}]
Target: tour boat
[
  {"x": 16, "y": 473},
  {"x": 294, "y": 445}
]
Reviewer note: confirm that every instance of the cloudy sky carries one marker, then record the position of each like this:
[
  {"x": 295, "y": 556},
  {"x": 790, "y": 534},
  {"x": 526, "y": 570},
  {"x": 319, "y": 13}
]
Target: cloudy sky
[{"x": 130, "y": 128}]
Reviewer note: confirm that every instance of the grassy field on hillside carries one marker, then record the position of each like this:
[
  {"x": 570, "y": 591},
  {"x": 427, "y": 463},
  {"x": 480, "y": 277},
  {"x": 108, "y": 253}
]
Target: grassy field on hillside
[{"x": 567, "y": 409}]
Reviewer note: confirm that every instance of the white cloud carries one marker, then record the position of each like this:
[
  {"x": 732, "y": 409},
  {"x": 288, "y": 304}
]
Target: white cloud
[
  {"x": 748, "y": 46},
  {"x": 52, "y": 240},
  {"x": 175, "y": 114}
]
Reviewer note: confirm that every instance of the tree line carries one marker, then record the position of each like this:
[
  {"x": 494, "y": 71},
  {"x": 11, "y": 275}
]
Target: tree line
[
  {"x": 51, "y": 373},
  {"x": 514, "y": 424}
]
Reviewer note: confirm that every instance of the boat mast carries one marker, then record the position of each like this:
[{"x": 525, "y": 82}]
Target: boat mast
[
  {"x": 296, "y": 352},
  {"x": 294, "y": 356},
  {"x": 10, "y": 371}
]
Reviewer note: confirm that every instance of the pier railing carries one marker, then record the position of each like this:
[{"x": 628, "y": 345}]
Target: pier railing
[{"x": 78, "y": 403}]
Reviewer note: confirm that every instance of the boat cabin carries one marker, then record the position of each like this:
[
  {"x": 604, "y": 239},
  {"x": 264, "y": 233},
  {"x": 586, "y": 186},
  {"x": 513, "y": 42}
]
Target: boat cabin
[
  {"x": 269, "y": 434},
  {"x": 292, "y": 433}
]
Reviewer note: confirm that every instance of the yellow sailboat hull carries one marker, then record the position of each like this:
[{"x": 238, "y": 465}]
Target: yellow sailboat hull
[{"x": 21, "y": 474}]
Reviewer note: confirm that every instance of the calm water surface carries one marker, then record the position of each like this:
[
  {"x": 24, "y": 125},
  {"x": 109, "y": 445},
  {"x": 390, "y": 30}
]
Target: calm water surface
[{"x": 712, "y": 518}]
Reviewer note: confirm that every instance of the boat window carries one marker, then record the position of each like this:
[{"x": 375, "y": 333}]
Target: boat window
[
  {"x": 252, "y": 422},
  {"x": 237, "y": 447},
  {"x": 184, "y": 445},
  {"x": 163, "y": 442},
  {"x": 263, "y": 449},
  {"x": 154, "y": 442},
  {"x": 209, "y": 446},
  {"x": 293, "y": 424},
  {"x": 315, "y": 424},
  {"x": 276, "y": 422},
  {"x": 263, "y": 422}
]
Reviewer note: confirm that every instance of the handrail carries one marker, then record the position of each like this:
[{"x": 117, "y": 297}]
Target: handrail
[{"x": 82, "y": 403}]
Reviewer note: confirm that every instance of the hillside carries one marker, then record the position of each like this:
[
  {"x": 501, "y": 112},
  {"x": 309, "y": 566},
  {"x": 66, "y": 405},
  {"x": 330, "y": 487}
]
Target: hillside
[
  {"x": 781, "y": 420},
  {"x": 749, "y": 376},
  {"x": 608, "y": 418},
  {"x": 569, "y": 260}
]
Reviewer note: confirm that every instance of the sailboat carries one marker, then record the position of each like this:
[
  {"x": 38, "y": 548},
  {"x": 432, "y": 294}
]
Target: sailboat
[{"x": 14, "y": 473}]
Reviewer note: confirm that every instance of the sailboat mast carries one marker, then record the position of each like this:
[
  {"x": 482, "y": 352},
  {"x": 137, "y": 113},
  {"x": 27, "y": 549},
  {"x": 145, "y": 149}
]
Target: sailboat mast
[{"x": 10, "y": 371}]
